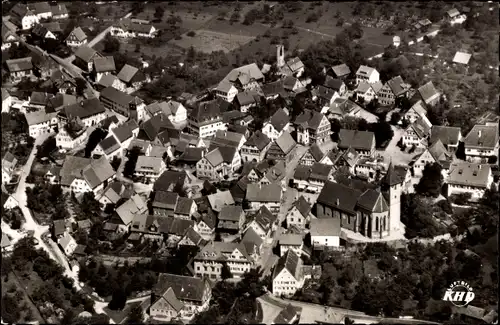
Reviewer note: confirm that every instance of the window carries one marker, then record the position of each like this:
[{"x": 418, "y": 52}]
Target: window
[{"x": 376, "y": 224}]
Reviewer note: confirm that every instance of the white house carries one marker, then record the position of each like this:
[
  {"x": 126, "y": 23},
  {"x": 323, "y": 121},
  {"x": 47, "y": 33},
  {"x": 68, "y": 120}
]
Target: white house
[
  {"x": 264, "y": 195},
  {"x": 368, "y": 91},
  {"x": 365, "y": 73},
  {"x": 277, "y": 124},
  {"x": 482, "y": 142},
  {"x": 417, "y": 134},
  {"x": 40, "y": 122},
  {"x": 23, "y": 17},
  {"x": 210, "y": 260},
  {"x": 41, "y": 9},
  {"x": 325, "y": 233},
  {"x": 76, "y": 38},
  {"x": 469, "y": 178},
  {"x": 9, "y": 162},
  {"x": 300, "y": 214},
  {"x": 150, "y": 168},
  {"x": 179, "y": 112},
  {"x": 206, "y": 119},
  {"x": 6, "y": 101},
  {"x": 67, "y": 243},
  {"x": 287, "y": 275},
  {"x": 255, "y": 148},
  {"x": 72, "y": 139},
  {"x": 226, "y": 91}
]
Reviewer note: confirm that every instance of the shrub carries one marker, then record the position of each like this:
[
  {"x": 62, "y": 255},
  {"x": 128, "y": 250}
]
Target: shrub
[
  {"x": 492, "y": 160},
  {"x": 460, "y": 198},
  {"x": 191, "y": 34},
  {"x": 178, "y": 37}
]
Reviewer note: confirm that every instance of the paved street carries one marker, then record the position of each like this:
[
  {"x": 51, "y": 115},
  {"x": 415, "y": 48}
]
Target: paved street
[{"x": 393, "y": 152}]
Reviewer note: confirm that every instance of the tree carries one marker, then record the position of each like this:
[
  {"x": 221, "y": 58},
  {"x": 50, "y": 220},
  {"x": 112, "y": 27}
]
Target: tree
[
  {"x": 136, "y": 315},
  {"x": 115, "y": 163},
  {"x": 383, "y": 132},
  {"x": 133, "y": 155},
  {"x": 159, "y": 12},
  {"x": 81, "y": 85},
  {"x": 395, "y": 118},
  {"x": 432, "y": 180},
  {"x": 225, "y": 272},
  {"x": 417, "y": 216},
  {"x": 111, "y": 44},
  {"x": 235, "y": 17},
  {"x": 94, "y": 138},
  {"x": 118, "y": 300}
]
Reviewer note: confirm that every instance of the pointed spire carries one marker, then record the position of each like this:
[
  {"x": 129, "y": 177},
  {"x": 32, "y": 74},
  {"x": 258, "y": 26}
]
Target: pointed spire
[{"x": 391, "y": 177}]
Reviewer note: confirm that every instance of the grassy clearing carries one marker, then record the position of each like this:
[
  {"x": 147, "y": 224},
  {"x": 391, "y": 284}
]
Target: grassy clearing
[
  {"x": 210, "y": 41},
  {"x": 20, "y": 292}
]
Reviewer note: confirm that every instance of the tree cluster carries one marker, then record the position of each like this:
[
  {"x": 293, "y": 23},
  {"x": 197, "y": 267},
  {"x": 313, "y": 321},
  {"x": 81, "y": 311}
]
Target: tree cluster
[
  {"x": 417, "y": 215},
  {"x": 382, "y": 130},
  {"x": 47, "y": 199}
]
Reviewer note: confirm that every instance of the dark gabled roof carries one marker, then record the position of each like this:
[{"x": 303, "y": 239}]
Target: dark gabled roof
[
  {"x": 341, "y": 70},
  {"x": 227, "y": 152},
  {"x": 247, "y": 98},
  {"x": 123, "y": 132},
  {"x": 191, "y": 155},
  {"x": 109, "y": 145},
  {"x": 373, "y": 201},
  {"x": 40, "y": 7},
  {"x": 22, "y": 64},
  {"x": 448, "y": 135},
  {"x": 59, "y": 227},
  {"x": 359, "y": 140},
  {"x": 86, "y": 53},
  {"x": 83, "y": 109},
  {"x": 265, "y": 218},
  {"x": 184, "y": 287},
  {"x": 392, "y": 177},
  {"x": 333, "y": 83},
  {"x": 302, "y": 206},
  {"x": 166, "y": 200},
  {"x": 207, "y": 111},
  {"x": 291, "y": 262},
  {"x": 285, "y": 142},
  {"x": 279, "y": 120},
  {"x": 127, "y": 73},
  {"x": 168, "y": 179},
  {"x": 316, "y": 152},
  {"x": 287, "y": 314},
  {"x": 231, "y": 213},
  {"x": 273, "y": 88},
  {"x": 251, "y": 239},
  {"x": 183, "y": 206},
  {"x": 59, "y": 9},
  {"x": 79, "y": 34},
  {"x": 428, "y": 92},
  {"x": 320, "y": 171},
  {"x": 152, "y": 127},
  {"x": 309, "y": 119},
  {"x": 104, "y": 64},
  {"x": 39, "y": 98},
  {"x": 397, "y": 85},
  {"x": 482, "y": 136},
  {"x": 302, "y": 173},
  {"x": 259, "y": 140},
  {"x": 333, "y": 193}
]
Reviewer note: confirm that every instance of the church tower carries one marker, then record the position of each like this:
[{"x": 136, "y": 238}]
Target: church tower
[
  {"x": 280, "y": 55},
  {"x": 393, "y": 186}
]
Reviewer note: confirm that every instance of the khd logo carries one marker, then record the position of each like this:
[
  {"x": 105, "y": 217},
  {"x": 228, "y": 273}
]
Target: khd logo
[{"x": 459, "y": 293}]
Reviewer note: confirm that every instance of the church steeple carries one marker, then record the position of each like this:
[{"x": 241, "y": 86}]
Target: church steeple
[{"x": 391, "y": 177}]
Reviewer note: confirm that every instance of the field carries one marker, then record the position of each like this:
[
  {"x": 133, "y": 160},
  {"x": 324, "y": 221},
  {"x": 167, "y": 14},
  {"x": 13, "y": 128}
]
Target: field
[{"x": 210, "y": 41}]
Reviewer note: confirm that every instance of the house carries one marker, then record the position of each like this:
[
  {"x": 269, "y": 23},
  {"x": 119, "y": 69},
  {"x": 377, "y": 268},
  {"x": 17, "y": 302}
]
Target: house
[
  {"x": 263, "y": 222},
  {"x": 216, "y": 256},
  {"x": 41, "y": 10},
  {"x": 129, "y": 29},
  {"x": 416, "y": 112},
  {"x": 212, "y": 166},
  {"x": 393, "y": 88},
  {"x": 276, "y": 125},
  {"x": 300, "y": 214},
  {"x": 417, "y": 134},
  {"x": 170, "y": 179},
  {"x": 367, "y": 213},
  {"x": 325, "y": 233},
  {"x": 228, "y": 138},
  {"x": 335, "y": 84},
  {"x": 255, "y": 148},
  {"x": 184, "y": 208},
  {"x": 63, "y": 82},
  {"x": 76, "y": 38},
  {"x": 42, "y": 32},
  {"x": 8, "y": 37},
  {"x": 85, "y": 175},
  {"x": 6, "y": 101},
  {"x": 435, "y": 153},
  {"x": 164, "y": 203},
  {"x": 20, "y": 68},
  {"x": 276, "y": 174},
  {"x": 273, "y": 90},
  {"x": 315, "y": 155},
  {"x": 246, "y": 100},
  {"x": 178, "y": 296},
  {"x": 159, "y": 227},
  {"x": 205, "y": 119},
  {"x": 264, "y": 195},
  {"x": 104, "y": 66},
  {"x": 231, "y": 218},
  {"x": 253, "y": 243},
  {"x": 482, "y": 142},
  {"x": 40, "y": 122},
  {"x": 73, "y": 134},
  {"x": 450, "y": 136},
  {"x": 127, "y": 212},
  {"x": 114, "y": 192},
  {"x": 312, "y": 127},
  {"x": 341, "y": 71},
  {"x": 325, "y": 96},
  {"x": 84, "y": 57},
  {"x": 429, "y": 94},
  {"x": 125, "y": 132},
  {"x": 90, "y": 112},
  {"x": 451, "y": 14},
  {"x": 361, "y": 141},
  {"x": 342, "y": 107},
  {"x": 462, "y": 58},
  {"x": 369, "y": 169},
  {"x": 319, "y": 174},
  {"x": 288, "y": 315},
  {"x": 59, "y": 11},
  {"x": 178, "y": 112},
  {"x": 9, "y": 162},
  {"x": 8, "y": 201},
  {"x": 292, "y": 84},
  {"x": 348, "y": 158},
  {"x": 121, "y": 102},
  {"x": 247, "y": 77},
  {"x": 149, "y": 168},
  {"x": 67, "y": 243},
  {"x": 130, "y": 79},
  {"x": 226, "y": 91},
  {"x": 6, "y": 243},
  {"x": 282, "y": 148},
  {"x": 23, "y": 17},
  {"x": 367, "y": 74},
  {"x": 469, "y": 178},
  {"x": 368, "y": 91},
  {"x": 220, "y": 199},
  {"x": 293, "y": 67},
  {"x": 287, "y": 275},
  {"x": 206, "y": 223}
]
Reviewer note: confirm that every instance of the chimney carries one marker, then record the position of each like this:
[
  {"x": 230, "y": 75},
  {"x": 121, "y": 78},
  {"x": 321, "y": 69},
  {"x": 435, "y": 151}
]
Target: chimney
[
  {"x": 81, "y": 103},
  {"x": 337, "y": 202}
]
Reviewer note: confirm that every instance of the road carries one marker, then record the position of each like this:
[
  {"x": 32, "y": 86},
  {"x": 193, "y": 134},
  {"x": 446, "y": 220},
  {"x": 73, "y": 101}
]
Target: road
[{"x": 315, "y": 32}]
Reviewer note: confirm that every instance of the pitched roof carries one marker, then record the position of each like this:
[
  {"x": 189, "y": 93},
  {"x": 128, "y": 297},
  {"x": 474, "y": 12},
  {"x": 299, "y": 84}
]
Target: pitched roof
[
  {"x": 127, "y": 73},
  {"x": 421, "y": 128},
  {"x": 482, "y": 136},
  {"x": 258, "y": 139},
  {"x": 86, "y": 53},
  {"x": 184, "y": 287},
  {"x": 252, "y": 70},
  {"x": 469, "y": 174},
  {"x": 183, "y": 206},
  {"x": 79, "y": 34},
  {"x": 365, "y": 71},
  {"x": 287, "y": 314},
  {"x": 72, "y": 168},
  {"x": 214, "y": 157},
  {"x": 392, "y": 177},
  {"x": 273, "y": 88},
  {"x": 291, "y": 262},
  {"x": 83, "y": 109},
  {"x": 453, "y": 12},
  {"x": 325, "y": 227},
  {"x": 66, "y": 240},
  {"x": 123, "y": 131},
  {"x": 207, "y": 112},
  {"x": 428, "y": 92},
  {"x": 220, "y": 199},
  {"x": 165, "y": 200},
  {"x": 247, "y": 97},
  {"x": 230, "y": 213},
  {"x": 169, "y": 178},
  {"x": 59, "y": 227},
  {"x": 127, "y": 211},
  {"x": 462, "y": 57},
  {"x": 5, "y": 240},
  {"x": 98, "y": 171},
  {"x": 21, "y": 64},
  {"x": 37, "y": 117},
  {"x": 302, "y": 206},
  {"x": 358, "y": 140},
  {"x": 59, "y": 9},
  {"x": 316, "y": 152},
  {"x": 152, "y": 127},
  {"x": 295, "y": 64},
  {"x": 279, "y": 120},
  {"x": 227, "y": 138},
  {"x": 397, "y": 85},
  {"x": 333, "y": 83},
  {"x": 60, "y": 100},
  {"x": 339, "y": 196},
  {"x": 302, "y": 172},
  {"x": 41, "y": 7},
  {"x": 448, "y": 135},
  {"x": 104, "y": 64},
  {"x": 264, "y": 193},
  {"x": 309, "y": 119},
  {"x": 320, "y": 172},
  {"x": 373, "y": 201},
  {"x": 265, "y": 218},
  {"x": 221, "y": 251},
  {"x": 109, "y": 145},
  {"x": 251, "y": 237},
  {"x": 107, "y": 80},
  {"x": 341, "y": 70},
  {"x": 150, "y": 164},
  {"x": 439, "y": 152},
  {"x": 285, "y": 142}
]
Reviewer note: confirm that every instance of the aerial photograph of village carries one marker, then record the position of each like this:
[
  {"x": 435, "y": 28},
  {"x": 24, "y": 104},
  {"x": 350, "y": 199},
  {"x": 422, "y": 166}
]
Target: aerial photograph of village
[{"x": 250, "y": 162}]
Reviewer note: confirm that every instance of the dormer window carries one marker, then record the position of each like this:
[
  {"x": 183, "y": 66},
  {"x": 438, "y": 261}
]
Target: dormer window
[
  {"x": 474, "y": 173},
  {"x": 460, "y": 171}
]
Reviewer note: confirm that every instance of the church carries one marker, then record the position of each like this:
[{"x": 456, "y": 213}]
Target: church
[{"x": 372, "y": 212}]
